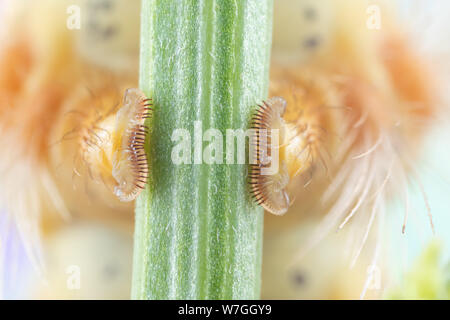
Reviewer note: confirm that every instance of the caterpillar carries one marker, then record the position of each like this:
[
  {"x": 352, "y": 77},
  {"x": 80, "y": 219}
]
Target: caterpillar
[
  {"x": 113, "y": 147},
  {"x": 304, "y": 140},
  {"x": 387, "y": 96}
]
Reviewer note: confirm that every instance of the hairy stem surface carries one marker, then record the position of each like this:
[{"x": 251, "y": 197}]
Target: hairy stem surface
[{"x": 198, "y": 234}]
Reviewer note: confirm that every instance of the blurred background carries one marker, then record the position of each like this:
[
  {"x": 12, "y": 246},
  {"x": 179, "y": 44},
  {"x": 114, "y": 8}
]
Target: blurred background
[{"x": 64, "y": 236}]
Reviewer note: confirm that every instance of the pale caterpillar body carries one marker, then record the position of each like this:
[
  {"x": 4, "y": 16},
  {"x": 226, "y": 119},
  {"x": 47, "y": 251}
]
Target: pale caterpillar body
[
  {"x": 57, "y": 104},
  {"x": 386, "y": 95}
]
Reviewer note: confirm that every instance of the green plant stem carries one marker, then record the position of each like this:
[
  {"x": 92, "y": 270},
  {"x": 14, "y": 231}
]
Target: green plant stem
[{"x": 198, "y": 234}]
